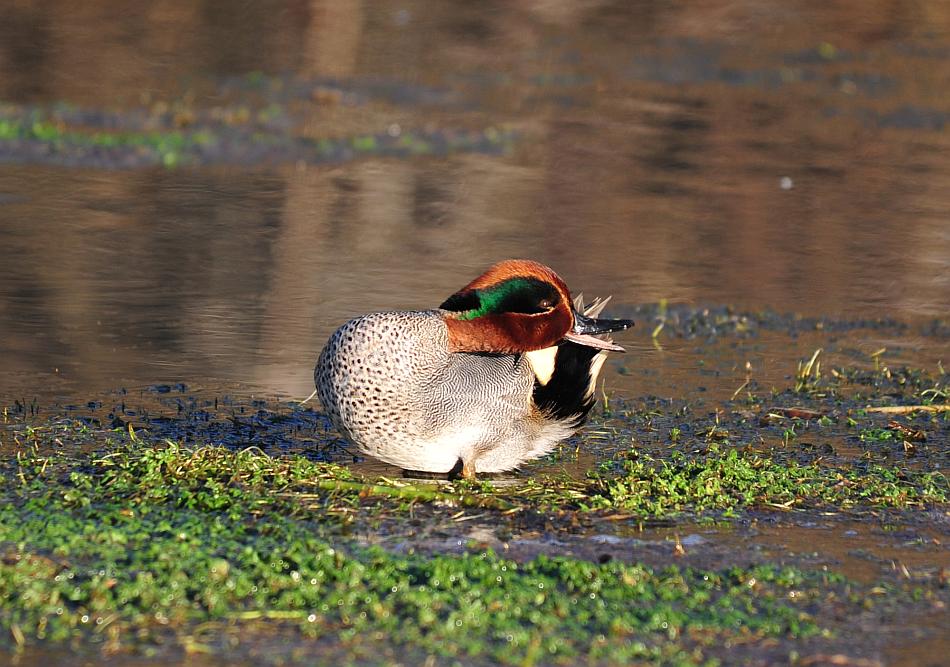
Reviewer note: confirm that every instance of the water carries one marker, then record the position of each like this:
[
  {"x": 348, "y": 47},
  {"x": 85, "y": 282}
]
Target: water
[{"x": 760, "y": 155}]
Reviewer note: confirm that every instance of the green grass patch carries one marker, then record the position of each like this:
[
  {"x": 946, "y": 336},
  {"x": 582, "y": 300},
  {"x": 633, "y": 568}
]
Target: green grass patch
[
  {"x": 157, "y": 545},
  {"x": 876, "y": 435},
  {"x": 168, "y": 145},
  {"x": 731, "y": 479},
  {"x": 206, "y": 139}
]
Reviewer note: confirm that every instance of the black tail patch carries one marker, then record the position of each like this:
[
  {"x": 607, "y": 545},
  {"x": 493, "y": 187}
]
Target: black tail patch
[{"x": 565, "y": 394}]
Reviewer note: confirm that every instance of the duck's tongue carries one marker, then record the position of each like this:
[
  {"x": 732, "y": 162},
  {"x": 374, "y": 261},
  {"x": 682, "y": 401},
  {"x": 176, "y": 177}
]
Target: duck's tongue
[{"x": 586, "y": 327}]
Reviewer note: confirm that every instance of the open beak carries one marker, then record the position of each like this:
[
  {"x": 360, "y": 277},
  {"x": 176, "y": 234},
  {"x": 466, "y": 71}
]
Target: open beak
[{"x": 585, "y": 328}]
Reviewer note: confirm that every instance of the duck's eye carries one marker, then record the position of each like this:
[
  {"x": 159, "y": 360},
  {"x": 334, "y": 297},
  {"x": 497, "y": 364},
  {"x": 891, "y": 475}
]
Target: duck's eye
[{"x": 546, "y": 304}]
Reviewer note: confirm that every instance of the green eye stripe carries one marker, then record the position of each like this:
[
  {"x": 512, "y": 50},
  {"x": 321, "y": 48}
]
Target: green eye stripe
[{"x": 505, "y": 297}]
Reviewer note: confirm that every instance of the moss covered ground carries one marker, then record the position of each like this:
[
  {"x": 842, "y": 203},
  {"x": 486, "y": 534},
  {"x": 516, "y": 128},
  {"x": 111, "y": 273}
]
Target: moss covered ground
[{"x": 121, "y": 541}]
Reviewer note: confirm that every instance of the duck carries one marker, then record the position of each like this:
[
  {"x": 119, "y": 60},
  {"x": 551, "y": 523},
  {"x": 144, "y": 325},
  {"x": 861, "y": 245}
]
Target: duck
[{"x": 497, "y": 375}]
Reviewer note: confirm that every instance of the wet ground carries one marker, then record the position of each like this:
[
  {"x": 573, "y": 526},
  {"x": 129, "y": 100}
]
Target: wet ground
[
  {"x": 192, "y": 199},
  {"x": 879, "y": 522}
]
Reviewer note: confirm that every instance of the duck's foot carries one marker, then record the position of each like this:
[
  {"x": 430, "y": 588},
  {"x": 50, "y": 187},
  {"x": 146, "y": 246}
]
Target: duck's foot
[{"x": 462, "y": 470}]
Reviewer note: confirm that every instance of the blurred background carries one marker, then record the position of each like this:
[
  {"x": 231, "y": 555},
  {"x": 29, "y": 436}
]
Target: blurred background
[{"x": 202, "y": 191}]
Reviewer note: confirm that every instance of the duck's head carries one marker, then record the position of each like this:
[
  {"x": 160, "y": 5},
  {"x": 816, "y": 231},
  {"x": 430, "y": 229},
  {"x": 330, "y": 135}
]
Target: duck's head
[{"x": 519, "y": 306}]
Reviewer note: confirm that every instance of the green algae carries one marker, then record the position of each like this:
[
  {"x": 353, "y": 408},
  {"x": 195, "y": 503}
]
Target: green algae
[
  {"x": 730, "y": 479},
  {"x": 713, "y": 475},
  {"x": 143, "y": 547},
  {"x": 168, "y": 147},
  {"x": 141, "y": 138}
]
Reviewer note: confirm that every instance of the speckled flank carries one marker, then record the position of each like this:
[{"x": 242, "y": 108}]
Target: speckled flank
[
  {"x": 390, "y": 386},
  {"x": 370, "y": 377}
]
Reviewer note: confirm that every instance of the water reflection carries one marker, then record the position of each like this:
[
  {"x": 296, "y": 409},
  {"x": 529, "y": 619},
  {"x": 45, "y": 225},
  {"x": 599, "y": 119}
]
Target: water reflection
[{"x": 756, "y": 153}]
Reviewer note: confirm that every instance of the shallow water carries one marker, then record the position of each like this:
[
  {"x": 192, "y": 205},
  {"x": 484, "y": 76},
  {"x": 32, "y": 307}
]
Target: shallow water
[
  {"x": 753, "y": 154},
  {"x": 750, "y": 180}
]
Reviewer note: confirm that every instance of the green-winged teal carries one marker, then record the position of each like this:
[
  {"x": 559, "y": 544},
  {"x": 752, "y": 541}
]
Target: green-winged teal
[{"x": 497, "y": 375}]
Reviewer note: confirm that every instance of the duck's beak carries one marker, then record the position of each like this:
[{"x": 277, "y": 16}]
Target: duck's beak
[{"x": 585, "y": 328}]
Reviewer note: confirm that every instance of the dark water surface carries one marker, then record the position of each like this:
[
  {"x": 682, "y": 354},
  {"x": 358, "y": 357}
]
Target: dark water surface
[{"x": 785, "y": 156}]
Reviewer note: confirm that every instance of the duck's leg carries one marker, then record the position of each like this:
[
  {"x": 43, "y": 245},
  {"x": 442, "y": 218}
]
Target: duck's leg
[{"x": 463, "y": 469}]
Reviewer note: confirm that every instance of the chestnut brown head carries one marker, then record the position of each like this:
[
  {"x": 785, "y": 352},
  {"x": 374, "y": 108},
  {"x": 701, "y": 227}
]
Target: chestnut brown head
[{"x": 519, "y": 306}]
